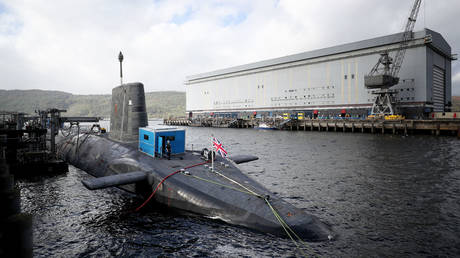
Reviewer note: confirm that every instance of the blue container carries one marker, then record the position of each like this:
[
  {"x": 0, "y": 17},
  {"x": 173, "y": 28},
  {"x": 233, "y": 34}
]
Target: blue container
[{"x": 152, "y": 140}]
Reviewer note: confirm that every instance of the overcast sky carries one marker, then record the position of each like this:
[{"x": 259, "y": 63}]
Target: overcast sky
[{"x": 73, "y": 46}]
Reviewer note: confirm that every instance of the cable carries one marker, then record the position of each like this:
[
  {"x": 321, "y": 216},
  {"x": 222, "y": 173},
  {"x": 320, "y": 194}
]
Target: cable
[
  {"x": 164, "y": 179},
  {"x": 288, "y": 230}
]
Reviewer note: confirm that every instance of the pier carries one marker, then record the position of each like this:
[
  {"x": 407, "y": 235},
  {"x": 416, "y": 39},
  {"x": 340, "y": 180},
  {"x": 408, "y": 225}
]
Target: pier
[{"x": 437, "y": 126}]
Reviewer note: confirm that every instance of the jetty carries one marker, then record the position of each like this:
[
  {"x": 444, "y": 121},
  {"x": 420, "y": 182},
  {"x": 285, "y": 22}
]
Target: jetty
[{"x": 436, "y": 126}]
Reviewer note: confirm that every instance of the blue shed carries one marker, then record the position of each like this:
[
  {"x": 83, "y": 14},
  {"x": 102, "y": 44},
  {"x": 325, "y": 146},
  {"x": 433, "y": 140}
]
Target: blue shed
[{"x": 152, "y": 140}]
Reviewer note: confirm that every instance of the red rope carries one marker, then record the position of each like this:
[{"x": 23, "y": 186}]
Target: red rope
[{"x": 158, "y": 186}]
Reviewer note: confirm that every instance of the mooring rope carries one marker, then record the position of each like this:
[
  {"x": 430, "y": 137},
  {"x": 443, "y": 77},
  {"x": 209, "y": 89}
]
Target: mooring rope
[
  {"x": 164, "y": 179},
  {"x": 289, "y": 231},
  {"x": 287, "y": 228}
]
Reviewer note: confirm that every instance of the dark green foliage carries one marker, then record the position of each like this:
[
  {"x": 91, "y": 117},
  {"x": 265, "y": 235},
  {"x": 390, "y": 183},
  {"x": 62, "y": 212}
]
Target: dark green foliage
[{"x": 160, "y": 104}]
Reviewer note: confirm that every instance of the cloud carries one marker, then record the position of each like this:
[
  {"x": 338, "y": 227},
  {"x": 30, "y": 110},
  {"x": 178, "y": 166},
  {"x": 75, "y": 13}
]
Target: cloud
[{"x": 73, "y": 45}]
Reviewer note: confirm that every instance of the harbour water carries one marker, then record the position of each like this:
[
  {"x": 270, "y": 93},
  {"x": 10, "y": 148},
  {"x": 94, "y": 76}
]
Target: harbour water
[{"x": 384, "y": 195}]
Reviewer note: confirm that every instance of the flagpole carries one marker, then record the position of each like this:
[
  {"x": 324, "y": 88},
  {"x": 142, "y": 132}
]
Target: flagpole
[{"x": 212, "y": 153}]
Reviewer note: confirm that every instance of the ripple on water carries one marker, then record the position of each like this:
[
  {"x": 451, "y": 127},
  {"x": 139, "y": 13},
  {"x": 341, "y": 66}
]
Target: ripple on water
[{"x": 383, "y": 195}]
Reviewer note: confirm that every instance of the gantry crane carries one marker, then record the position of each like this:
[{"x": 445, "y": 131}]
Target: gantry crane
[{"x": 384, "y": 74}]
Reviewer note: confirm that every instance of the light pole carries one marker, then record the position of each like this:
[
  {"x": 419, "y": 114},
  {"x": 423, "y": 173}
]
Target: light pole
[{"x": 120, "y": 58}]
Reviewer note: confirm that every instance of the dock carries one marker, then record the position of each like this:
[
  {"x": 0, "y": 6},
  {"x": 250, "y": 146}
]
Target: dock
[{"x": 404, "y": 126}]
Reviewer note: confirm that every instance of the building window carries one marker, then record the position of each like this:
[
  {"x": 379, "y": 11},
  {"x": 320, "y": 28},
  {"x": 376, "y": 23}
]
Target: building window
[
  {"x": 352, "y": 76},
  {"x": 345, "y": 76}
]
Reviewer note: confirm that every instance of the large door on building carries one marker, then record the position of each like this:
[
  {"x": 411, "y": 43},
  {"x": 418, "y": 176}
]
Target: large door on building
[{"x": 439, "y": 86}]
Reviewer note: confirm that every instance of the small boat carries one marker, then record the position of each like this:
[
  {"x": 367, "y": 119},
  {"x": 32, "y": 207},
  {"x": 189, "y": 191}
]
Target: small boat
[{"x": 265, "y": 126}]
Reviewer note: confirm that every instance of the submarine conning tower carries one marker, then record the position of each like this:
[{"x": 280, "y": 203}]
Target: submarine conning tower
[{"x": 128, "y": 112}]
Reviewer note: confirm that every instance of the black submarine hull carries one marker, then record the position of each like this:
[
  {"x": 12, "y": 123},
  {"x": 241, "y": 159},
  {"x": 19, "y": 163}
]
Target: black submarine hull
[{"x": 228, "y": 195}]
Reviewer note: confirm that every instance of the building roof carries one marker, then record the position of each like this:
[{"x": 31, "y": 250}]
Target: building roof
[{"x": 438, "y": 42}]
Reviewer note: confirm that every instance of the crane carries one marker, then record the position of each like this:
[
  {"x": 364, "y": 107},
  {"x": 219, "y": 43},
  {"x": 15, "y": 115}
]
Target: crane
[{"x": 384, "y": 74}]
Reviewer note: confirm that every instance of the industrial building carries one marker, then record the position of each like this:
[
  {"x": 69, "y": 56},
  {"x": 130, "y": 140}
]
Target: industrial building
[{"x": 328, "y": 81}]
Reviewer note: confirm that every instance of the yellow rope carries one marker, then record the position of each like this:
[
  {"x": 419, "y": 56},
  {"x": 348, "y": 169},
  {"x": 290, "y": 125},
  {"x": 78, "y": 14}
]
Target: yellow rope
[
  {"x": 246, "y": 190},
  {"x": 219, "y": 184},
  {"x": 287, "y": 228},
  {"x": 231, "y": 180}
]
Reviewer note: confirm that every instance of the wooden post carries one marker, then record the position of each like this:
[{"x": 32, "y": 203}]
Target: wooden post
[
  {"x": 352, "y": 127},
  {"x": 372, "y": 127},
  {"x": 394, "y": 128},
  {"x": 343, "y": 127}
]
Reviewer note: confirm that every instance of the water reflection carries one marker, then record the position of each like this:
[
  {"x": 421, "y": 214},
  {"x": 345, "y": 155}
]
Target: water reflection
[{"x": 384, "y": 195}]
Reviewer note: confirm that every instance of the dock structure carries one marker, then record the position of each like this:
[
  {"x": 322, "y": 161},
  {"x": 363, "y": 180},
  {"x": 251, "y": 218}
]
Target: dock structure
[
  {"x": 27, "y": 143},
  {"x": 329, "y": 81},
  {"x": 404, "y": 126},
  {"x": 15, "y": 227},
  {"x": 28, "y": 146}
]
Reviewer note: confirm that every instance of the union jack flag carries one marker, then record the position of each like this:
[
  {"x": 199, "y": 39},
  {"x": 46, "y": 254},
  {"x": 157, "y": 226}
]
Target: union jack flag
[{"x": 219, "y": 147}]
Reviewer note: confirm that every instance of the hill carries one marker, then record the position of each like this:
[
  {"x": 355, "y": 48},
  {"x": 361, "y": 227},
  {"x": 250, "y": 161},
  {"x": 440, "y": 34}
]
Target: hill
[{"x": 161, "y": 104}]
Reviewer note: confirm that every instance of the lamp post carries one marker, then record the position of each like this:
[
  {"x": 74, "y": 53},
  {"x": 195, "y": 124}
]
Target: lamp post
[{"x": 120, "y": 58}]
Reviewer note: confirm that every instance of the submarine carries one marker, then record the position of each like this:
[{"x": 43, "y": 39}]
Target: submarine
[{"x": 131, "y": 156}]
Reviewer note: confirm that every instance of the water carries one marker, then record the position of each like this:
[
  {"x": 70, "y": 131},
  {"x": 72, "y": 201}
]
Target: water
[{"x": 383, "y": 195}]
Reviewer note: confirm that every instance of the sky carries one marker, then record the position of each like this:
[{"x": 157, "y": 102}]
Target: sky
[{"x": 73, "y": 46}]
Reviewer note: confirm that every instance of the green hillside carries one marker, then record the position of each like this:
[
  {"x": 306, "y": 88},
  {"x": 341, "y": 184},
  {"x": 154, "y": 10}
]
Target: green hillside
[{"x": 160, "y": 104}]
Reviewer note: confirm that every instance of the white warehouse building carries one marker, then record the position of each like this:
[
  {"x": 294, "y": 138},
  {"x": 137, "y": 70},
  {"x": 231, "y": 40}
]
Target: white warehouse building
[{"x": 328, "y": 80}]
